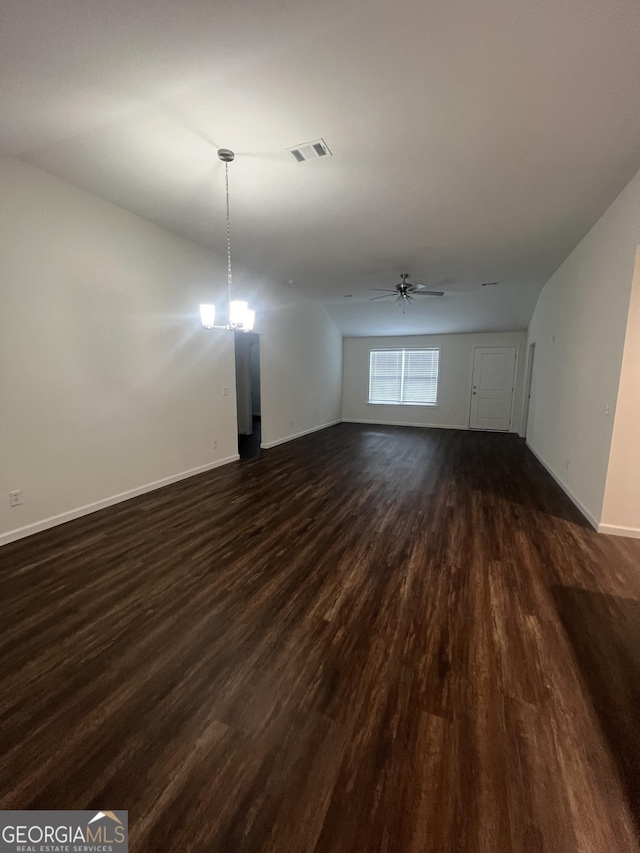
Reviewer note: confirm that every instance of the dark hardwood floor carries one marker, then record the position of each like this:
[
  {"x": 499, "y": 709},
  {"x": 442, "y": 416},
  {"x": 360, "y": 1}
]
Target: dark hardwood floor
[{"x": 369, "y": 639}]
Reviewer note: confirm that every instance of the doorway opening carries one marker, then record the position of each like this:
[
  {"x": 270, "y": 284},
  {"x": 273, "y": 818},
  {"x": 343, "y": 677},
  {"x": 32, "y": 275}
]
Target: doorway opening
[{"x": 247, "y": 346}]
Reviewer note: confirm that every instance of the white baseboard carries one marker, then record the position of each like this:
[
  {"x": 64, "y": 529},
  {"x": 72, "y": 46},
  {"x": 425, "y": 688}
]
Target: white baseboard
[
  {"x": 404, "y": 423},
  {"x": 54, "y": 520},
  {"x": 618, "y": 530},
  {"x": 587, "y": 514},
  {"x": 268, "y": 444}
]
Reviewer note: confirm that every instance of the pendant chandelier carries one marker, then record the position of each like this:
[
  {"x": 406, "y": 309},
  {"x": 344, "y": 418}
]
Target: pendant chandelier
[{"x": 241, "y": 317}]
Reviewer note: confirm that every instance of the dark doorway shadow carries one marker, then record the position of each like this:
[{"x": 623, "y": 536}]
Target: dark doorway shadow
[
  {"x": 604, "y": 631},
  {"x": 248, "y": 396},
  {"x": 249, "y": 445}
]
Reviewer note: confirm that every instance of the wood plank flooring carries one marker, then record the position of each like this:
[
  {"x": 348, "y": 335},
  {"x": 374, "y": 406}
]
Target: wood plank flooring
[{"x": 370, "y": 639}]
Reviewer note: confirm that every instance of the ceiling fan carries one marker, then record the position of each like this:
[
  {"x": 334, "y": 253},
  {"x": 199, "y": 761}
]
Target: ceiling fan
[{"x": 405, "y": 291}]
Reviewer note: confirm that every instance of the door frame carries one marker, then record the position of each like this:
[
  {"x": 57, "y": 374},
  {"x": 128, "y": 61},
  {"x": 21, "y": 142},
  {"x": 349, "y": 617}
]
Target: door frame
[{"x": 528, "y": 384}]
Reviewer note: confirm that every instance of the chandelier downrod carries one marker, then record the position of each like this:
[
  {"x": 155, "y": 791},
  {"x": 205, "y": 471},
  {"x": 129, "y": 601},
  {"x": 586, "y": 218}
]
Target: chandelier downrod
[
  {"x": 241, "y": 317},
  {"x": 227, "y": 156}
]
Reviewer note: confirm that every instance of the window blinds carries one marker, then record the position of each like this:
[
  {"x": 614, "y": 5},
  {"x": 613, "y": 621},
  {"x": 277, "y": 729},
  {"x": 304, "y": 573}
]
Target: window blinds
[
  {"x": 406, "y": 376},
  {"x": 385, "y": 376}
]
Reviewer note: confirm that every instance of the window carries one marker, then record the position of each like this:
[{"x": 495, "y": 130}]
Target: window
[{"x": 408, "y": 377}]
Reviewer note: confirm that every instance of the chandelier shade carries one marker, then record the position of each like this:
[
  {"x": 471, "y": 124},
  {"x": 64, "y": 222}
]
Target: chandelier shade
[
  {"x": 208, "y": 316},
  {"x": 241, "y": 316}
]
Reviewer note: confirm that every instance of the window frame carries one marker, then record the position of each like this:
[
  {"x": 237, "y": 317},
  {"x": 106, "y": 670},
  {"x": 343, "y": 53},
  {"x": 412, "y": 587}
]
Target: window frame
[{"x": 404, "y": 350}]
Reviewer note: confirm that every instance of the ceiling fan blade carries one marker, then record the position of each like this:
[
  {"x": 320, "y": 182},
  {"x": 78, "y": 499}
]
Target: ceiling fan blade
[
  {"x": 386, "y": 296},
  {"x": 385, "y": 289},
  {"x": 427, "y": 293}
]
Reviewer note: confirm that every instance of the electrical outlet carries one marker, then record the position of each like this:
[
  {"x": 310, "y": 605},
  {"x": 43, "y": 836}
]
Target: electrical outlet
[
  {"x": 214, "y": 444},
  {"x": 225, "y": 392},
  {"x": 290, "y": 424},
  {"x": 15, "y": 498},
  {"x": 608, "y": 409}
]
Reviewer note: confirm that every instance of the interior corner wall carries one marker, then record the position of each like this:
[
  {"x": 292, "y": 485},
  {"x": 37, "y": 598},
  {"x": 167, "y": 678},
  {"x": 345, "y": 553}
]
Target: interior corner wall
[
  {"x": 300, "y": 370},
  {"x": 108, "y": 383},
  {"x": 621, "y": 508},
  {"x": 454, "y": 386},
  {"x": 578, "y": 328}
]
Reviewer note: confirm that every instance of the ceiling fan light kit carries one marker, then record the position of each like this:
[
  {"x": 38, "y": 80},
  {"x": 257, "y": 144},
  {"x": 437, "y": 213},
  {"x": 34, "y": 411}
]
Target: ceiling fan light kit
[{"x": 241, "y": 317}]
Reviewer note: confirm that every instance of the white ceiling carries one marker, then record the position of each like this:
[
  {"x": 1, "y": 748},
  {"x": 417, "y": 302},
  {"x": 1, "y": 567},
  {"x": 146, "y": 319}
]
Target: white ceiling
[{"x": 472, "y": 141}]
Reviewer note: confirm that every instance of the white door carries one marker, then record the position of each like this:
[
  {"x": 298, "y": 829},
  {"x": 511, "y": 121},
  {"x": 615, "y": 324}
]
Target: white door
[{"x": 492, "y": 392}]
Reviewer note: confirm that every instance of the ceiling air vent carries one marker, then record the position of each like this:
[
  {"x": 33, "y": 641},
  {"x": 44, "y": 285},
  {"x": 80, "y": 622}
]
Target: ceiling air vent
[{"x": 310, "y": 151}]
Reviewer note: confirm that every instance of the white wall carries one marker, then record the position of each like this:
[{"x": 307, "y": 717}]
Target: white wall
[
  {"x": 454, "y": 391},
  {"x": 621, "y": 507},
  {"x": 108, "y": 383},
  {"x": 579, "y": 329},
  {"x": 300, "y": 370}
]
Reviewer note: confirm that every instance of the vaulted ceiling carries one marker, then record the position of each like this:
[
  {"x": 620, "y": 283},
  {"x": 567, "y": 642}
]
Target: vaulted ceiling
[{"x": 471, "y": 141}]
